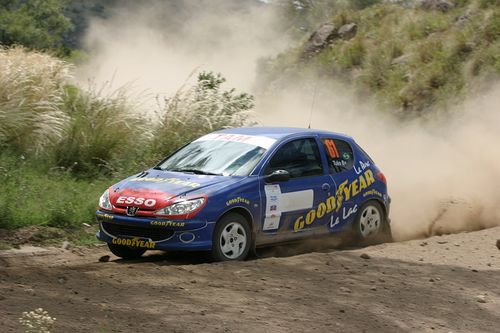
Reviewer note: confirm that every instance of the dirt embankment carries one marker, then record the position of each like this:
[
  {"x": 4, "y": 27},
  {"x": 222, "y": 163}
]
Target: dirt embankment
[{"x": 440, "y": 284}]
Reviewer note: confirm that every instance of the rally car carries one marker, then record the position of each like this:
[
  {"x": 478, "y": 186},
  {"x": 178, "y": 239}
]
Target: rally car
[{"x": 234, "y": 190}]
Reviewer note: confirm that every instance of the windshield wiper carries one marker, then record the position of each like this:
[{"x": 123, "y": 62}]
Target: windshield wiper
[{"x": 196, "y": 172}]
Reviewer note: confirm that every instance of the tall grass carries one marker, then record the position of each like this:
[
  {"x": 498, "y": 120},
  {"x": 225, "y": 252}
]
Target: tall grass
[
  {"x": 61, "y": 146},
  {"x": 31, "y": 97},
  {"x": 104, "y": 131}
]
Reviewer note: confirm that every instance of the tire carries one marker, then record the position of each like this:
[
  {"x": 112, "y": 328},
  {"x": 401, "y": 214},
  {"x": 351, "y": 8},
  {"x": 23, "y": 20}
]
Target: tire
[
  {"x": 371, "y": 225},
  {"x": 231, "y": 239},
  {"x": 126, "y": 252}
]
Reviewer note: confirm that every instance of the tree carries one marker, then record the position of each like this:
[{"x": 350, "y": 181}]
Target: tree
[{"x": 35, "y": 24}]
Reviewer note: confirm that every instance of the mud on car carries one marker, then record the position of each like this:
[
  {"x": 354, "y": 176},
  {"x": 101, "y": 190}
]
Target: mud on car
[{"x": 234, "y": 190}]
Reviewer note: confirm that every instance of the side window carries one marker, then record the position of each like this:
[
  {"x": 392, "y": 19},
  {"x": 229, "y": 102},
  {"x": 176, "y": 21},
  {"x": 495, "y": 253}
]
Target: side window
[
  {"x": 339, "y": 155},
  {"x": 301, "y": 158}
]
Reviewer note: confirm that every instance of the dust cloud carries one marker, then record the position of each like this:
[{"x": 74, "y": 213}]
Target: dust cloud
[
  {"x": 442, "y": 173},
  {"x": 156, "y": 45}
]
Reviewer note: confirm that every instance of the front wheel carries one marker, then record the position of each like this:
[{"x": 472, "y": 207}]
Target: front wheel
[
  {"x": 231, "y": 239},
  {"x": 126, "y": 252},
  {"x": 371, "y": 225}
]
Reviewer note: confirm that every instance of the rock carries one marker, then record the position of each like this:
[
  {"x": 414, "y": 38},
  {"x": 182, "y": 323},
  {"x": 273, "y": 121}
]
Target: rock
[
  {"x": 345, "y": 290},
  {"x": 442, "y": 242},
  {"x": 424, "y": 244},
  {"x": 348, "y": 31},
  {"x": 104, "y": 258},
  {"x": 65, "y": 245},
  {"x": 401, "y": 60},
  {"x": 442, "y": 5},
  {"x": 481, "y": 299},
  {"x": 365, "y": 256},
  {"x": 320, "y": 38},
  {"x": 498, "y": 244},
  {"x": 374, "y": 288}
]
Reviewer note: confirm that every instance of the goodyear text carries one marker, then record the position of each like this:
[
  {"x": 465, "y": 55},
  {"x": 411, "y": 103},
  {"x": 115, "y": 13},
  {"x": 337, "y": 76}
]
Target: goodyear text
[
  {"x": 345, "y": 192},
  {"x": 134, "y": 242},
  {"x": 167, "y": 224}
]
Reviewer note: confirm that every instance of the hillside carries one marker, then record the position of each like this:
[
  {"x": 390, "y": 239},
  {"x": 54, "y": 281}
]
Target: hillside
[{"x": 412, "y": 56}]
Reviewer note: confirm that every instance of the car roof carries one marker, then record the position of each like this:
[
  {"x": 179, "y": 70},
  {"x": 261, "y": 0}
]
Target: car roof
[{"x": 279, "y": 133}]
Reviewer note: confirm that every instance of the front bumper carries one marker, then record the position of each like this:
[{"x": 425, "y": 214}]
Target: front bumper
[{"x": 154, "y": 233}]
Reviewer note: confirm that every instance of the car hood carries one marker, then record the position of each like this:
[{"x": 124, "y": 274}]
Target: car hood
[{"x": 155, "y": 189}]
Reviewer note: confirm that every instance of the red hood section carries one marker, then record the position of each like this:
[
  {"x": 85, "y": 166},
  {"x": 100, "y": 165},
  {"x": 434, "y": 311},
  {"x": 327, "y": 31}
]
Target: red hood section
[{"x": 145, "y": 199}]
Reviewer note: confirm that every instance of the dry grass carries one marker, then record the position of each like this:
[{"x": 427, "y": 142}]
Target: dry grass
[{"x": 31, "y": 96}]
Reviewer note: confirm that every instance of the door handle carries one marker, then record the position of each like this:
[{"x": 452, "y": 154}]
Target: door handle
[{"x": 325, "y": 187}]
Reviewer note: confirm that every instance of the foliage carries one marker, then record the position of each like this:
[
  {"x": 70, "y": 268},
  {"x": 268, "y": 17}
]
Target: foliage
[
  {"x": 409, "y": 59},
  {"x": 62, "y": 146},
  {"x": 35, "y": 195},
  {"x": 31, "y": 96},
  {"x": 35, "y": 24},
  {"x": 37, "y": 321},
  {"x": 103, "y": 130},
  {"x": 197, "y": 110}
]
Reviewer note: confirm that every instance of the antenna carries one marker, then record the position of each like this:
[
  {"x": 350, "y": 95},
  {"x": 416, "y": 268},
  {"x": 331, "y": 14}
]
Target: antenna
[{"x": 312, "y": 105}]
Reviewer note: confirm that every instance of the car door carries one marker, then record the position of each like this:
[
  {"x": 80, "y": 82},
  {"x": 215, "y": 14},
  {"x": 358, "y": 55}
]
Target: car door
[
  {"x": 351, "y": 178},
  {"x": 296, "y": 207}
]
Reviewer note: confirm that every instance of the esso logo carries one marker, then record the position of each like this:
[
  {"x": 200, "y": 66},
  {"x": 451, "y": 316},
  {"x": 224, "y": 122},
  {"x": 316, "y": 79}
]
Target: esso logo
[{"x": 136, "y": 201}]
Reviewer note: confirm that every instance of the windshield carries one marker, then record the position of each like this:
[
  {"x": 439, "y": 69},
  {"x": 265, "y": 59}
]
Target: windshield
[{"x": 226, "y": 158}]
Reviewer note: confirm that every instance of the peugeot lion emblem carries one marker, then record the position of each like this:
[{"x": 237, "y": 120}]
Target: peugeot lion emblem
[{"x": 132, "y": 210}]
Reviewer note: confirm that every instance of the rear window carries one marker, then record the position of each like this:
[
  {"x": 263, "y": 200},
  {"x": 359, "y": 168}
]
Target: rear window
[{"x": 339, "y": 155}]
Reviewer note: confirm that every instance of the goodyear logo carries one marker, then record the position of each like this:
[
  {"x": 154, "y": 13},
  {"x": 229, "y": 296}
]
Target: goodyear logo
[
  {"x": 237, "y": 200},
  {"x": 175, "y": 181},
  {"x": 134, "y": 242},
  {"x": 104, "y": 216},
  {"x": 345, "y": 192},
  {"x": 167, "y": 224}
]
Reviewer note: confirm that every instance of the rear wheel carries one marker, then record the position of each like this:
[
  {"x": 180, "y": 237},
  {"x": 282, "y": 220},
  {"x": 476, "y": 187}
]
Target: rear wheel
[
  {"x": 371, "y": 225},
  {"x": 231, "y": 239},
  {"x": 126, "y": 252}
]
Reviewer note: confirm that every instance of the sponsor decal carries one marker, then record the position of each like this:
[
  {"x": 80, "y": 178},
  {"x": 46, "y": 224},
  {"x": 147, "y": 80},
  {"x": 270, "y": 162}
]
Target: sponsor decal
[
  {"x": 345, "y": 191},
  {"x": 136, "y": 201},
  {"x": 174, "y": 181},
  {"x": 278, "y": 203},
  {"x": 331, "y": 148},
  {"x": 167, "y": 224},
  {"x": 361, "y": 167},
  {"x": 255, "y": 140},
  {"x": 349, "y": 212},
  {"x": 372, "y": 192},
  {"x": 237, "y": 200},
  {"x": 134, "y": 242},
  {"x": 104, "y": 216},
  {"x": 338, "y": 163}
]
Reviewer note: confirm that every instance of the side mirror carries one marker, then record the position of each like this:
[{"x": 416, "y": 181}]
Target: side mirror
[{"x": 277, "y": 176}]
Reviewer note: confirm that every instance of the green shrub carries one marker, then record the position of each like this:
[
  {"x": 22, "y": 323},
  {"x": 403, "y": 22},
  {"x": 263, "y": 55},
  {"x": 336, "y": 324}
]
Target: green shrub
[{"x": 194, "y": 111}]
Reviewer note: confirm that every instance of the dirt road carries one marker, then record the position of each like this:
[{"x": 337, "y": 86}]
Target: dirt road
[{"x": 441, "y": 284}]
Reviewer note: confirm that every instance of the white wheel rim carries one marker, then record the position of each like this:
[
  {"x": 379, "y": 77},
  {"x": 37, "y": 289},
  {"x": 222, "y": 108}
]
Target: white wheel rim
[
  {"x": 369, "y": 222},
  {"x": 233, "y": 240}
]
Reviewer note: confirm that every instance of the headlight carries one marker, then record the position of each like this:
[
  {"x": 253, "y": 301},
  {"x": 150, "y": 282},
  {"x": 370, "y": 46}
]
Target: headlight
[
  {"x": 104, "y": 201},
  {"x": 182, "y": 208}
]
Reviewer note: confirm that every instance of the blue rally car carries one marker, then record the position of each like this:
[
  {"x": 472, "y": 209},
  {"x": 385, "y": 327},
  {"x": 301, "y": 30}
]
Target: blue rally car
[{"x": 231, "y": 191}]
